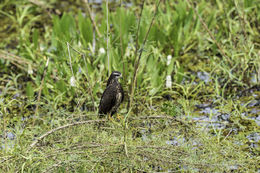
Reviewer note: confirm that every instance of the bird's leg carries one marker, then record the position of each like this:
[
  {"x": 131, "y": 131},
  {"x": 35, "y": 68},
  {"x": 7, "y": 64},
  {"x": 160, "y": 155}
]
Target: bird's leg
[{"x": 110, "y": 117}]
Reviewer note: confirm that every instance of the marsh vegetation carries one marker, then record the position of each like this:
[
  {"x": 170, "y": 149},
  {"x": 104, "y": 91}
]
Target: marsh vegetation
[{"x": 191, "y": 74}]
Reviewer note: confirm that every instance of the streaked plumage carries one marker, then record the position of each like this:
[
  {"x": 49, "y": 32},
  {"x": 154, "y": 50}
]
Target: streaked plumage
[{"x": 113, "y": 95}]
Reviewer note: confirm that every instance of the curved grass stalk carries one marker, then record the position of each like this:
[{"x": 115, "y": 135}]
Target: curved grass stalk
[{"x": 63, "y": 127}]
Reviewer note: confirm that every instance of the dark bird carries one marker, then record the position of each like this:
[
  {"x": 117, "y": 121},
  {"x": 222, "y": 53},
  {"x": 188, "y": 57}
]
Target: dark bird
[{"x": 113, "y": 95}]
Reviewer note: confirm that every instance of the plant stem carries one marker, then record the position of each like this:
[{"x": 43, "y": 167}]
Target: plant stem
[
  {"x": 91, "y": 18},
  {"x": 209, "y": 32},
  {"x": 140, "y": 55},
  {"x": 41, "y": 86},
  {"x": 63, "y": 127},
  {"x": 108, "y": 64},
  {"x": 136, "y": 51}
]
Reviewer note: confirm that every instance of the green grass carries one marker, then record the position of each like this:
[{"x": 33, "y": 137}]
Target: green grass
[{"x": 218, "y": 38}]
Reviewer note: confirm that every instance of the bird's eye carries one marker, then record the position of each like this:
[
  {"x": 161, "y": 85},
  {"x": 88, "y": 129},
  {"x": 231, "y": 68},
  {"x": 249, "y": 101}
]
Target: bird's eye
[{"x": 116, "y": 74}]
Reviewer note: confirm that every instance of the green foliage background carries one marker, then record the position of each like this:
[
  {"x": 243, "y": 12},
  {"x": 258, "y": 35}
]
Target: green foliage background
[{"x": 224, "y": 44}]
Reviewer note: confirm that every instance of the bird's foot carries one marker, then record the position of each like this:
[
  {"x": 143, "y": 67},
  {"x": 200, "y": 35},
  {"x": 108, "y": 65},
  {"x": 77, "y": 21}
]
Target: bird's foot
[
  {"x": 119, "y": 117},
  {"x": 110, "y": 118},
  {"x": 114, "y": 120}
]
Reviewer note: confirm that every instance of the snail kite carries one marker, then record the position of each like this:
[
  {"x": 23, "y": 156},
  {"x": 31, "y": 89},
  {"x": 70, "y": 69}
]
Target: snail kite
[{"x": 113, "y": 95}]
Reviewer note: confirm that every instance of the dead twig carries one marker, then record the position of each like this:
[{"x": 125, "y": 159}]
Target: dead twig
[
  {"x": 136, "y": 51},
  {"x": 63, "y": 127},
  {"x": 139, "y": 57},
  {"x": 16, "y": 60},
  {"x": 160, "y": 117}
]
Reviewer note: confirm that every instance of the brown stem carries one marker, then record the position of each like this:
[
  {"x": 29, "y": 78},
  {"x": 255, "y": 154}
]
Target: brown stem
[
  {"x": 136, "y": 51},
  {"x": 41, "y": 86},
  {"x": 63, "y": 127},
  {"x": 209, "y": 32},
  {"x": 91, "y": 18},
  {"x": 140, "y": 55}
]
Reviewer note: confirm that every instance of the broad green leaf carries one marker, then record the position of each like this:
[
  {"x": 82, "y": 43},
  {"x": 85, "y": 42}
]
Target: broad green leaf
[{"x": 86, "y": 29}]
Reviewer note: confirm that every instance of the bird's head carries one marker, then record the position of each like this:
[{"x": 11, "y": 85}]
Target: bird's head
[{"x": 114, "y": 76}]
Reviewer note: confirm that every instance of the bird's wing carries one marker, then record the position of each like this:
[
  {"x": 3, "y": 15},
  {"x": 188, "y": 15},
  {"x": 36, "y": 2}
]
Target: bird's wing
[
  {"x": 108, "y": 100},
  {"x": 122, "y": 91}
]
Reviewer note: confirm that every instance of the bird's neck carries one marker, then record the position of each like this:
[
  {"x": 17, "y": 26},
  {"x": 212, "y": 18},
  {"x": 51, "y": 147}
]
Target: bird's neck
[{"x": 110, "y": 81}]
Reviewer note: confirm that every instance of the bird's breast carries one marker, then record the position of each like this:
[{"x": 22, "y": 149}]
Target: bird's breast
[{"x": 119, "y": 97}]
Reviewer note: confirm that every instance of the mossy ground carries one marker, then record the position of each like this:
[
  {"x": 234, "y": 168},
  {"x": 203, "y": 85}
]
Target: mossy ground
[{"x": 207, "y": 121}]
